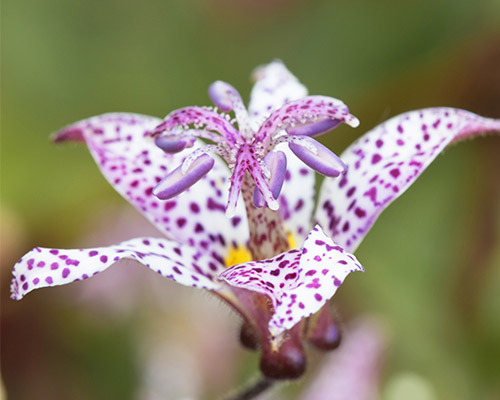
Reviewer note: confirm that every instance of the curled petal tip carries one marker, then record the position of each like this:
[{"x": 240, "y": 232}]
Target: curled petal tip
[
  {"x": 176, "y": 182},
  {"x": 324, "y": 161},
  {"x": 70, "y": 133}
]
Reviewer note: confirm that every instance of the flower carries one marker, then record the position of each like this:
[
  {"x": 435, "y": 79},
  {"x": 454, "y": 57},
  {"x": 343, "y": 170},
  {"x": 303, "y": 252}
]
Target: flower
[{"x": 250, "y": 259}]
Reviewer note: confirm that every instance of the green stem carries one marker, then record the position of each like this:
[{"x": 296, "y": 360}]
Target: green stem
[{"x": 253, "y": 390}]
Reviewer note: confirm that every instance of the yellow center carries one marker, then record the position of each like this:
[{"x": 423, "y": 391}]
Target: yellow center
[
  {"x": 237, "y": 255},
  {"x": 241, "y": 254}
]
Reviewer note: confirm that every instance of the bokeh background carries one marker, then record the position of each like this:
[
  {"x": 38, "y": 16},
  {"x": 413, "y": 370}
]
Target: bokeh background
[{"x": 432, "y": 260}]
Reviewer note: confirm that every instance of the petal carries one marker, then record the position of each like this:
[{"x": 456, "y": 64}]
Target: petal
[
  {"x": 274, "y": 86},
  {"x": 298, "y": 282},
  {"x": 384, "y": 162},
  {"x": 134, "y": 165},
  {"x": 43, "y": 267}
]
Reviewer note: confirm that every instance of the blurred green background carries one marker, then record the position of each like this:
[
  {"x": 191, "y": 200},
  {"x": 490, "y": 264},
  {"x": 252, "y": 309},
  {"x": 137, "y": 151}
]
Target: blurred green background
[{"x": 432, "y": 259}]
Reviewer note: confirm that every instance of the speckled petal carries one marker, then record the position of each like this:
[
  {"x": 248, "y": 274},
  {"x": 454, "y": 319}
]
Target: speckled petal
[
  {"x": 298, "y": 282},
  {"x": 132, "y": 163},
  {"x": 43, "y": 267},
  {"x": 274, "y": 86},
  {"x": 384, "y": 162}
]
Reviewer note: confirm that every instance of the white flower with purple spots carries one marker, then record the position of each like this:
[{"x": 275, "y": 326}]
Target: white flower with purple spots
[{"x": 234, "y": 232}]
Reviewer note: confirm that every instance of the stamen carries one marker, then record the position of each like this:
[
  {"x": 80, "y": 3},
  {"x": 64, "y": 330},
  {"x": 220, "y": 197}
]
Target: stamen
[
  {"x": 176, "y": 182},
  {"x": 195, "y": 155},
  {"x": 219, "y": 94},
  {"x": 173, "y": 144},
  {"x": 314, "y": 128},
  {"x": 275, "y": 161},
  {"x": 227, "y": 98},
  {"x": 322, "y": 160}
]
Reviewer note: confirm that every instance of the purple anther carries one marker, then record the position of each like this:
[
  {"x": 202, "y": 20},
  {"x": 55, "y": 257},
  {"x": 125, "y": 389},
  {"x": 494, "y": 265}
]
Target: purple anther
[
  {"x": 324, "y": 161},
  {"x": 172, "y": 145},
  {"x": 176, "y": 182},
  {"x": 221, "y": 95},
  {"x": 315, "y": 128},
  {"x": 276, "y": 163}
]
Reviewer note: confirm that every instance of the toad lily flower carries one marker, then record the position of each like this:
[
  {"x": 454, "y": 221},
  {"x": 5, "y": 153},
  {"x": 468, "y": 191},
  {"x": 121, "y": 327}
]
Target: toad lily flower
[{"x": 251, "y": 259}]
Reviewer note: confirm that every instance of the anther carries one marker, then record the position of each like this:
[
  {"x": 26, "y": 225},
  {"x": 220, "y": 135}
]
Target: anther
[
  {"x": 321, "y": 160},
  {"x": 275, "y": 162},
  {"x": 176, "y": 181}
]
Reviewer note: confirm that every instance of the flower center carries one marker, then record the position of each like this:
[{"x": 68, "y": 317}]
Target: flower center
[
  {"x": 238, "y": 255},
  {"x": 245, "y": 149}
]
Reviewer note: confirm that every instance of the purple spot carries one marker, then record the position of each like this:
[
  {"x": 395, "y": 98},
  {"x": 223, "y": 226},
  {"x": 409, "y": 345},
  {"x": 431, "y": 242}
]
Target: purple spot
[
  {"x": 345, "y": 228},
  {"x": 181, "y": 222},
  {"x": 376, "y": 158},
  {"x": 379, "y": 143},
  {"x": 337, "y": 282},
  {"x": 395, "y": 172},
  {"x": 49, "y": 280},
  {"x": 169, "y": 205},
  {"x": 41, "y": 264},
  {"x": 194, "y": 208},
  {"x": 318, "y": 297},
  {"x": 93, "y": 253},
  {"x": 65, "y": 272},
  {"x": 104, "y": 259},
  {"x": 360, "y": 212},
  {"x": 54, "y": 251},
  {"x": 25, "y": 286}
]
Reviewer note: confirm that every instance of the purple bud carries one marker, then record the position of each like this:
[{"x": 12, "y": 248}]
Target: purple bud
[
  {"x": 324, "y": 161},
  {"x": 176, "y": 182},
  {"x": 276, "y": 163},
  {"x": 315, "y": 128},
  {"x": 220, "y": 94},
  {"x": 172, "y": 145}
]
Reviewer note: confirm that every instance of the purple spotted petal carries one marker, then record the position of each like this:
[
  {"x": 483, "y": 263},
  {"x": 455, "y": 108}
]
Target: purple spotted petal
[
  {"x": 384, "y": 162},
  {"x": 298, "y": 282},
  {"x": 43, "y": 267},
  {"x": 307, "y": 115},
  {"x": 134, "y": 165},
  {"x": 274, "y": 86}
]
